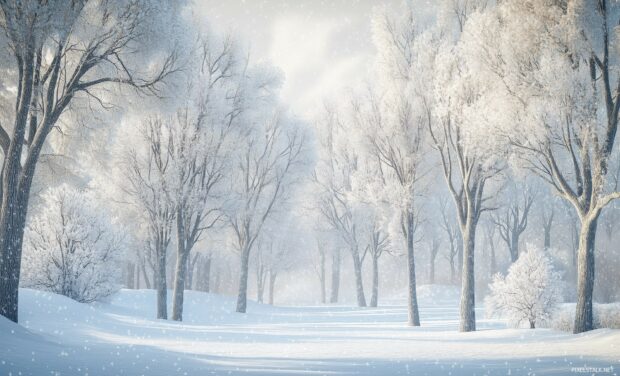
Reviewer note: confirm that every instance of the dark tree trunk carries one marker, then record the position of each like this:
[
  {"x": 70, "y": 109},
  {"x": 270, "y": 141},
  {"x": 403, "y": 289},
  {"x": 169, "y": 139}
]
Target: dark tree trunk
[
  {"x": 374, "y": 298},
  {"x": 468, "y": 290},
  {"x": 16, "y": 186},
  {"x": 584, "y": 320},
  {"x": 412, "y": 302},
  {"x": 532, "y": 324},
  {"x": 335, "y": 285},
  {"x": 242, "y": 297}
]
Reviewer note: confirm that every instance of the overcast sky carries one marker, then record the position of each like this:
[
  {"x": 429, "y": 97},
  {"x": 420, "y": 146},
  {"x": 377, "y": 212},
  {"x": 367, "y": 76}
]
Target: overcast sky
[{"x": 322, "y": 46}]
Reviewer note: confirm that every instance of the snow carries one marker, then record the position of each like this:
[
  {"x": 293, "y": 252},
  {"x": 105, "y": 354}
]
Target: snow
[{"x": 122, "y": 337}]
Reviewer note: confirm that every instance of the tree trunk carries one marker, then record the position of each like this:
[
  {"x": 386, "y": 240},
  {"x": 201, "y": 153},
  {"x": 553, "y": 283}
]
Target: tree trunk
[
  {"x": 260, "y": 284},
  {"x": 322, "y": 275},
  {"x": 206, "y": 277},
  {"x": 335, "y": 277},
  {"x": 147, "y": 282},
  {"x": 272, "y": 284},
  {"x": 130, "y": 277},
  {"x": 374, "y": 298},
  {"x": 514, "y": 247},
  {"x": 14, "y": 205},
  {"x": 532, "y": 324},
  {"x": 432, "y": 269},
  {"x": 242, "y": 297},
  {"x": 179, "y": 284},
  {"x": 452, "y": 269},
  {"x": 359, "y": 283},
  {"x": 160, "y": 281},
  {"x": 468, "y": 290},
  {"x": 585, "y": 275},
  {"x": 412, "y": 303},
  {"x": 547, "y": 237}
]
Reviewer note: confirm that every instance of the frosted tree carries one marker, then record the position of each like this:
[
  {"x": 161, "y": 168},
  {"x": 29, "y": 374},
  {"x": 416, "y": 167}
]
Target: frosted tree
[
  {"x": 203, "y": 133},
  {"x": 396, "y": 122},
  {"x": 62, "y": 52},
  {"x": 144, "y": 172},
  {"x": 470, "y": 156},
  {"x": 528, "y": 293},
  {"x": 269, "y": 157},
  {"x": 336, "y": 202},
  {"x": 72, "y": 247},
  {"x": 560, "y": 101}
]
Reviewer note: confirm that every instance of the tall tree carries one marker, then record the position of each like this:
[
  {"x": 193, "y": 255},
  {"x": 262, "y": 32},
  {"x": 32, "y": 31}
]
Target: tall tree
[
  {"x": 565, "y": 94},
  {"x": 61, "y": 51}
]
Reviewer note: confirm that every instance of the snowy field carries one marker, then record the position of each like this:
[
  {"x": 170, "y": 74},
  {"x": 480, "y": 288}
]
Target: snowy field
[{"x": 60, "y": 336}]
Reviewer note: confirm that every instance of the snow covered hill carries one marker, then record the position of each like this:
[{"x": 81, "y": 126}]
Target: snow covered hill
[{"x": 58, "y": 336}]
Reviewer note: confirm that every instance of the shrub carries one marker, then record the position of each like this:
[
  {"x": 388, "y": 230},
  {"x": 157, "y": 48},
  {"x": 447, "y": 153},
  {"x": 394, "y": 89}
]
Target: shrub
[
  {"x": 529, "y": 293},
  {"x": 71, "y": 247}
]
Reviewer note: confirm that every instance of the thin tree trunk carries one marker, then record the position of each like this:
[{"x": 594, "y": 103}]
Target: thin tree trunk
[
  {"x": 272, "y": 284},
  {"x": 412, "y": 304},
  {"x": 468, "y": 291},
  {"x": 322, "y": 276},
  {"x": 335, "y": 285},
  {"x": 260, "y": 283},
  {"x": 160, "y": 281},
  {"x": 130, "y": 278},
  {"x": 147, "y": 282},
  {"x": 242, "y": 297},
  {"x": 584, "y": 320},
  {"x": 206, "y": 278},
  {"x": 432, "y": 269},
  {"x": 359, "y": 283},
  {"x": 374, "y": 298}
]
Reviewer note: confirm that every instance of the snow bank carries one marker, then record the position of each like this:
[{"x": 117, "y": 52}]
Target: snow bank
[{"x": 605, "y": 316}]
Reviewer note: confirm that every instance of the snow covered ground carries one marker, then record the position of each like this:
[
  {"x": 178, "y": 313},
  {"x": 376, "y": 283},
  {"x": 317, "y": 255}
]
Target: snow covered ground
[{"x": 60, "y": 336}]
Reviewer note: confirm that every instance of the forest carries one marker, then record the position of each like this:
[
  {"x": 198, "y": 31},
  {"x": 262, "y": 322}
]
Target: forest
[{"x": 430, "y": 168}]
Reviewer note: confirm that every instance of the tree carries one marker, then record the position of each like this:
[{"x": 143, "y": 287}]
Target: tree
[
  {"x": 203, "y": 134},
  {"x": 396, "y": 123},
  {"x": 72, "y": 248},
  {"x": 378, "y": 245},
  {"x": 269, "y": 155},
  {"x": 529, "y": 292},
  {"x": 562, "y": 87},
  {"x": 470, "y": 156},
  {"x": 513, "y": 221},
  {"x": 61, "y": 51},
  {"x": 336, "y": 204},
  {"x": 144, "y": 174}
]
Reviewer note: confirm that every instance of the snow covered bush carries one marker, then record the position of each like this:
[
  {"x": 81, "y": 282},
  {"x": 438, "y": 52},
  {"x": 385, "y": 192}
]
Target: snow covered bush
[
  {"x": 71, "y": 247},
  {"x": 529, "y": 293}
]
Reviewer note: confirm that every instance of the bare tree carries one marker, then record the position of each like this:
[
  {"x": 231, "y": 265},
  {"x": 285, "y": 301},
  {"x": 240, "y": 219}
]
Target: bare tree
[
  {"x": 144, "y": 181},
  {"x": 266, "y": 165},
  {"x": 513, "y": 221},
  {"x": 54, "y": 66}
]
